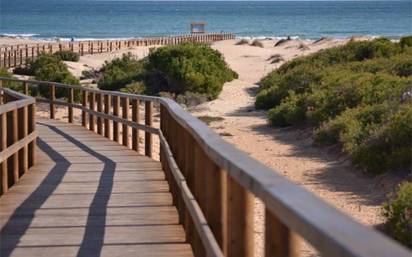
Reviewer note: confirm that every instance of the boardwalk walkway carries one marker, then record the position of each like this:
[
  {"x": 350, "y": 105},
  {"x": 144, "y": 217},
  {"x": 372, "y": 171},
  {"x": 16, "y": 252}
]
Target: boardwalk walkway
[{"x": 89, "y": 196}]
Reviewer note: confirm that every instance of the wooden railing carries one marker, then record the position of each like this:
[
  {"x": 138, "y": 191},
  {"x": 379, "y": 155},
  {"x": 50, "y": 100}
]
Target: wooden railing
[
  {"x": 213, "y": 184},
  {"x": 17, "y": 55},
  {"x": 18, "y": 136}
]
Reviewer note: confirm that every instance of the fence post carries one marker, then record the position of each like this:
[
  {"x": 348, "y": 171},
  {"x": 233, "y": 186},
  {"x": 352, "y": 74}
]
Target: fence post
[
  {"x": 32, "y": 127},
  {"x": 135, "y": 118},
  {"x": 99, "y": 110},
  {"x": 125, "y": 127},
  {"x": 116, "y": 107},
  {"x": 84, "y": 105},
  {"x": 107, "y": 107},
  {"x": 26, "y": 88},
  {"x": 13, "y": 138},
  {"x": 22, "y": 133},
  {"x": 91, "y": 115},
  {"x": 148, "y": 122},
  {"x": 280, "y": 241},
  {"x": 71, "y": 100},
  {"x": 52, "y": 100},
  {"x": 239, "y": 220},
  {"x": 3, "y": 146}
]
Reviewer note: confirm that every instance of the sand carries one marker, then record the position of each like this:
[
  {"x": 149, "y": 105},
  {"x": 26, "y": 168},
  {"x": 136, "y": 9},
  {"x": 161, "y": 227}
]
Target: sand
[{"x": 323, "y": 171}]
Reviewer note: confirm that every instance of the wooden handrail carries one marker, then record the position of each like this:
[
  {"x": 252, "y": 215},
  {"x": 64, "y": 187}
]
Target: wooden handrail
[
  {"x": 213, "y": 185},
  {"x": 18, "y": 136},
  {"x": 17, "y": 55}
]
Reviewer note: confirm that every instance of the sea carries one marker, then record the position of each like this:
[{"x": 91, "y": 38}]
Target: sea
[{"x": 102, "y": 19}]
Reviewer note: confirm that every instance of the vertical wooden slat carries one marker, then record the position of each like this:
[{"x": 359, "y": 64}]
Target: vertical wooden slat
[
  {"x": 52, "y": 100},
  {"x": 135, "y": 118},
  {"x": 32, "y": 127},
  {"x": 116, "y": 107},
  {"x": 3, "y": 146},
  {"x": 107, "y": 107},
  {"x": 26, "y": 88},
  {"x": 71, "y": 101},
  {"x": 148, "y": 122},
  {"x": 280, "y": 241},
  {"x": 216, "y": 201},
  {"x": 125, "y": 127},
  {"x": 92, "y": 118},
  {"x": 84, "y": 104},
  {"x": 13, "y": 138},
  {"x": 240, "y": 238},
  {"x": 100, "y": 110},
  {"x": 23, "y": 131}
]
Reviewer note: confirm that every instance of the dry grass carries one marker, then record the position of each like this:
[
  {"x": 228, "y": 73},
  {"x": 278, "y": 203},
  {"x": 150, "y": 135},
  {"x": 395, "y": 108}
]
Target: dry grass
[
  {"x": 275, "y": 58},
  {"x": 209, "y": 119}
]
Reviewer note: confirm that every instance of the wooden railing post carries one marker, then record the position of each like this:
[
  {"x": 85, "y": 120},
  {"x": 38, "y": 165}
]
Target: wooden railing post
[
  {"x": 148, "y": 122},
  {"x": 71, "y": 101},
  {"x": 84, "y": 105},
  {"x": 135, "y": 118},
  {"x": 125, "y": 127},
  {"x": 26, "y": 88},
  {"x": 22, "y": 133},
  {"x": 13, "y": 138},
  {"x": 3, "y": 146},
  {"x": 280, "y": 241},
  {"x": 240, "y": 239},
  {"x": 107, "y": 107},
  {"x": 116, "y": 107},
  {"x": 100, "y": 110},
  {"x": 31, "y": 128},
  {"x": 52, "y": 100},
  {"x": 92, "y": 118}
]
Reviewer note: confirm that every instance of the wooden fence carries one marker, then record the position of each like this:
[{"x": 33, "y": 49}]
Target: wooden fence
[
  {"x": 213, "y": 184},
  {"x": 17, "y": 55},
  {"x": 18, "y": 136}
]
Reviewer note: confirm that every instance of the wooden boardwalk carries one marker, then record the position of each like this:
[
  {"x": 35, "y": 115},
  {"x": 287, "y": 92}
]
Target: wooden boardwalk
[{"x": 89, "y": 196}]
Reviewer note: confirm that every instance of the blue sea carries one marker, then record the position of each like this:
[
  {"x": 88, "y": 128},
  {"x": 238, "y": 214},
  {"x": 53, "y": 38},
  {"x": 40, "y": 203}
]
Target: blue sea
[{"x": 86, "y": 19}]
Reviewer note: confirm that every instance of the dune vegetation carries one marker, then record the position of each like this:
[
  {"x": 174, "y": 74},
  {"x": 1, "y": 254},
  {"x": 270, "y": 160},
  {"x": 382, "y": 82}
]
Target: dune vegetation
[
  {"x": 178, "y": 70},
  {"x": 357, "y": 95}
]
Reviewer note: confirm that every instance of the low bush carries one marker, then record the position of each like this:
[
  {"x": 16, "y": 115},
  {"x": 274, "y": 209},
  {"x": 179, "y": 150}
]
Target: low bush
[
  {"x": 135, "y": 87},
  {"x": 406, "y": 41},
  {"x": 257, "y": 43},
  {"x": 194, "y": 68},
  {"x": 65, "y": 55},
  {"x": 120, "y": 72},
  {"x": 355, "y": 95},
  {"x": 9, "y": 84},
  {"x": 51, "y": 68},
  {"x": 242, "y": 42},
  {"x": 398, "y": 212}
]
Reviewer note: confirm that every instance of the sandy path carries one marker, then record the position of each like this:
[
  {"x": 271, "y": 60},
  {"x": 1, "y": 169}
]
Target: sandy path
[{"x": 287, "y": 151}]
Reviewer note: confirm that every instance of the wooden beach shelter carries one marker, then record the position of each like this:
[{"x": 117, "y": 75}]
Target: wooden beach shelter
[{"x": 197, "y": 27}]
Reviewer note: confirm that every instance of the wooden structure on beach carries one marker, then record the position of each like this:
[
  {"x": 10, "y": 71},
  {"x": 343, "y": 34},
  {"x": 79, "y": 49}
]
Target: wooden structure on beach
[
  {"x": 87, "y": 189},
  {"x": 18, "y": 55},
  {"x": 197, "y": 27}
]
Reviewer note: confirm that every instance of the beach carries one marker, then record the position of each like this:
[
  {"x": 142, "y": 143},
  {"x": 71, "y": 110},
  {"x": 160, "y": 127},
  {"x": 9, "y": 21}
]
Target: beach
[{"x": 323, "y": 171}]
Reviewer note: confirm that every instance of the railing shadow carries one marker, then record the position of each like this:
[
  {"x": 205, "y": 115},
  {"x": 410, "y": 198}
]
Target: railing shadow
[
  {"x": 34, "y": 201},
  {"x": 93, "y": 238}
]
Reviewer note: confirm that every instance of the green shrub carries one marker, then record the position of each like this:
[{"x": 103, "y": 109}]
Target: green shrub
[
  {"x": 406, "y": 41},
  {"x": 290, "y": 112},
  {"x": 65, "y": 55},
  {"x": 50, "y": 68},
  {"x": 9, "y": 84},
  {"x": 398, "y": 212},
  {"x": 356, "y": 93},
  {"x": 184, "y": 68},
  {"x": 136, "y": 87},
  {"x": 120, "y": 72}
]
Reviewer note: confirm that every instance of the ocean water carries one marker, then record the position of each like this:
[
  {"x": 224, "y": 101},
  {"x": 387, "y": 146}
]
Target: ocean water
[{"x": 83, "y": 19}]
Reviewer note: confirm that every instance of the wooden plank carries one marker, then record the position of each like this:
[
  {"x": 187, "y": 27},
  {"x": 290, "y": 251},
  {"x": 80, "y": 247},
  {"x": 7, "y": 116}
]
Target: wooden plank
[
  {"x": 3, "y": 146},
  {"x": 135, "y": 118}
]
